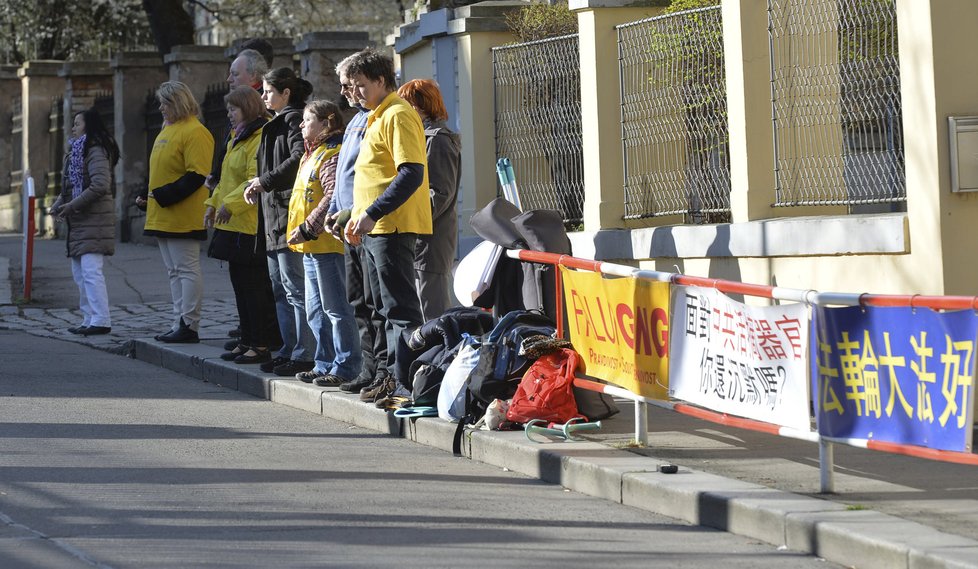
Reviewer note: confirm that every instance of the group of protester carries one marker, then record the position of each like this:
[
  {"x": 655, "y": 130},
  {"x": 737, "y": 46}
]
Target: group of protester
[{"x": 337, "y": 236}]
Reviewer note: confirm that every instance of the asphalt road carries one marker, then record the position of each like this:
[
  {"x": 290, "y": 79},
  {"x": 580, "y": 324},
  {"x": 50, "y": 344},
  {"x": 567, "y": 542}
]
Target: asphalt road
[{"x": 110, "y": 462}]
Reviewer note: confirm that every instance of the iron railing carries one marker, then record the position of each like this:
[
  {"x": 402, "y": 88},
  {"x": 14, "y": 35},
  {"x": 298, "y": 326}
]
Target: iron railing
[
  {"x": 675, "y": 140},
  {"x": 104, "y": 105},
  {"x": 835, "y": 81},
  {"x": 538, "y": 122},
  {"x": 215, "y": 112}
]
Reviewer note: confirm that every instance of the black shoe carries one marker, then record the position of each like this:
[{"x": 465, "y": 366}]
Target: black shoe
[
  {"x": 273, "y": 363},
  {"x": 231, "y": 344},
  {"x": 234, "y": 353},
  {"x": 234, "y": 332},
  {"x": 182, "y": 335},
  {"x": 162, "y": 337},
  {"x": 258, "y": 355},
  {"x": 292, "y": 367},
  {"x": 356, "y": 385},
  {"x": 329, "y": 380},
  {"x": 76, "y": 329},
  {"x": 94, "y": 330}
]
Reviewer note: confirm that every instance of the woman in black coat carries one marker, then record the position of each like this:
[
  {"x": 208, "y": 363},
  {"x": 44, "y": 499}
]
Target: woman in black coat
[{"x": 279, "y": 154}]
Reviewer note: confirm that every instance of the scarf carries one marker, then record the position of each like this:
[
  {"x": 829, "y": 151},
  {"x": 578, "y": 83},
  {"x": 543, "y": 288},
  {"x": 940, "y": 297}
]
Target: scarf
[{"x": 76, "y": 166}]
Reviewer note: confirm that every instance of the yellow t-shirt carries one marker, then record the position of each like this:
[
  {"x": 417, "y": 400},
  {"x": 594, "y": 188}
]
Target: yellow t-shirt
[
  {"x": 181, "y": 147},
  {"x": 394, "y": 136}
]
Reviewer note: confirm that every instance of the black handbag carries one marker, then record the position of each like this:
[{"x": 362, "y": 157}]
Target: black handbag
[{"x": 235, "y": 247}]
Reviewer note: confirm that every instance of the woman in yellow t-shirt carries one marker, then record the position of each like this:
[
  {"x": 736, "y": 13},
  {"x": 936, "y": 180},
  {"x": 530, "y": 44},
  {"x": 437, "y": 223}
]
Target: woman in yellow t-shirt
[
  {"x": 237, "y": 238},
  {"x": 174, "y": 204},
  {"x": 329, "y": 313}
]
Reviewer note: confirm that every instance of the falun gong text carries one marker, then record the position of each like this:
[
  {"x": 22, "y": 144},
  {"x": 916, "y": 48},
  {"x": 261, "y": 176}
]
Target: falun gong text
[{"x": 621, "y": 328}]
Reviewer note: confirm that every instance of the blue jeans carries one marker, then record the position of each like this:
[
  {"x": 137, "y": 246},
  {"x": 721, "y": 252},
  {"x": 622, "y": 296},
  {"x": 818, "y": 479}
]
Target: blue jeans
[
  {"x": 337, "y": 340},
  {"x": 288, "y": 287}
]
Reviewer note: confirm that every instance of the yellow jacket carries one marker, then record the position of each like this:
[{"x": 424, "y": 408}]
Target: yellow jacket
[{"x": 240, "y": 165}]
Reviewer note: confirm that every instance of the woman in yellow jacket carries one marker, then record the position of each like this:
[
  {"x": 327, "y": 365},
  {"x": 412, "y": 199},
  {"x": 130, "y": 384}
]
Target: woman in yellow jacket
[
  {"x": 330, "y": 315},
  {"x": 238, "y": 237}
]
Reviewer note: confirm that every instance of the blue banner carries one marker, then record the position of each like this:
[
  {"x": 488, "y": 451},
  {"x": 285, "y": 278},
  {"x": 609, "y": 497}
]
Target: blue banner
[{"x": 899, "y": 375}]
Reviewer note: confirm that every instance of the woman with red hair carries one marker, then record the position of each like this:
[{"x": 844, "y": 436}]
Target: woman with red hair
[{"x": 435, "y": 253}]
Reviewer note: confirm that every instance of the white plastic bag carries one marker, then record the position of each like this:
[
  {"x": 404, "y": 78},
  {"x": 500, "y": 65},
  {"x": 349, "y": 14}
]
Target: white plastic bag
[
  {"x": 451, "y": 394},
  {"x": 495, "y": 414}
]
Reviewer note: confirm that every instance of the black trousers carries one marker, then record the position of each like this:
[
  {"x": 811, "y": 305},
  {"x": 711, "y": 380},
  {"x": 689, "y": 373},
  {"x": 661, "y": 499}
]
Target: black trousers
[
  {"x": 391, "y": 279},
  {"x": 370, "y": 324},
  {"x": 256, "y": 305}
]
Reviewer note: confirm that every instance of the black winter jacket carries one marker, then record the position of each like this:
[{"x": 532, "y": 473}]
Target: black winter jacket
[{"x": 279, "y": 154}]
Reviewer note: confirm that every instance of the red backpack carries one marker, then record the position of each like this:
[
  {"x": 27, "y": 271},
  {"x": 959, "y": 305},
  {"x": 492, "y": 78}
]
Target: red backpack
[{"x": 547, "y": 390}]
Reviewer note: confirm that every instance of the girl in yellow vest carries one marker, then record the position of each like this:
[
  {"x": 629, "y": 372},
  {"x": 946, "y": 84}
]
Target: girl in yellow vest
[{"x": 330, "y": 315}]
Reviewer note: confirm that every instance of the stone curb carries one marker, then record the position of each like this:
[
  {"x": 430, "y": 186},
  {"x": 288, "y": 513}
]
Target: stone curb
[{"x": 855, "y": 538}]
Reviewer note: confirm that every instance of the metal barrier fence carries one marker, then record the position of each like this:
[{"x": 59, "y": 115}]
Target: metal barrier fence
[
  {"x": 537, "y": 89},
  {"x": 835, "y": 81},
  {"x": 674, "y": 117},
  {"x": 808, "y": 297}
]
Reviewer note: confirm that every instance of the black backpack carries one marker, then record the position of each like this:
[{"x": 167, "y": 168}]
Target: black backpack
[
  {"x": 422, "y": 345},
  {"x": 501, "y": 367},
  {"x": 428, "y": 371}
]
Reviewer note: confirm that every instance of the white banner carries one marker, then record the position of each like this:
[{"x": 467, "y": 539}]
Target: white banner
[{"x": 748, "y": 361}]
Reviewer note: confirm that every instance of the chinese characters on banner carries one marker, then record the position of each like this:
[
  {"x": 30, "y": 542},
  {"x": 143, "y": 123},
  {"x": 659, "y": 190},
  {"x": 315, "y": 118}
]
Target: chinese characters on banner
[
  {"x": 899, "y": 375},
  {"x": 621, "y": 329},
  {"x": 744, "y": 360}
]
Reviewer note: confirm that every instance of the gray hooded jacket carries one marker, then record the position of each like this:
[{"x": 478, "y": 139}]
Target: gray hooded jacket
[{"x": 435, "y": 253}]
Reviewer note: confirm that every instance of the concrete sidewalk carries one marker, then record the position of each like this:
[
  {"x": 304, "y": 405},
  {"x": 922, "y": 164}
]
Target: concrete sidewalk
[{"x": 889, "y": 511}]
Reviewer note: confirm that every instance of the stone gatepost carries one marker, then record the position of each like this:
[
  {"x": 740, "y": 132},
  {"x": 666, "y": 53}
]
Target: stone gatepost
[
  {"x": 319, "y": 52},
  {"x": 9, "y": 95},
  {"x": 40, "y": 86},
  {"x": 199, "y": 66},
  {"x": 284, "y": 52},
  {"x": 83, "y": 80},
  {"x": 604, "y": 172},
  {"x": 137, "y": 75},
  {"x": 9, "y": 92},
  {"x": 477, "y": 28}
]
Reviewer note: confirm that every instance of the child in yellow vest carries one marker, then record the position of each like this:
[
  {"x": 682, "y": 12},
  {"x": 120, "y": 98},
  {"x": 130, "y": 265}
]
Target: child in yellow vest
[{"x": 330, "y": 315}]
